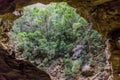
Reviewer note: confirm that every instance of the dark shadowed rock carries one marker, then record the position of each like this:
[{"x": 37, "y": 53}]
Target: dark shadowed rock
[{"x": 12, "y": 69}]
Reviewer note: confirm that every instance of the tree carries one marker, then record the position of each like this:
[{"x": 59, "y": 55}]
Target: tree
[{"x": 54, "y": 31}]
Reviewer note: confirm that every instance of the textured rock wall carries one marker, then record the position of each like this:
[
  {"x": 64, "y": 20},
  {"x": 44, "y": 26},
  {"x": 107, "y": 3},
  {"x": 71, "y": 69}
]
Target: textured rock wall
[{"x": 114, "y": 48}]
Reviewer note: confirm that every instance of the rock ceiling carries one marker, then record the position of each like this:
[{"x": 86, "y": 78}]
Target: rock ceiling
[{"x": 104, "y": 14}]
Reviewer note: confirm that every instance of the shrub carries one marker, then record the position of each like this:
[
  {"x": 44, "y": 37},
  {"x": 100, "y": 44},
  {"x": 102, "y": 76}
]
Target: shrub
[
  {"x": 76, "y": 66},
  {"x": 48, "y": 32},
  {"x": 53, "y": 31},
  {"x": 67, "y": 68}
]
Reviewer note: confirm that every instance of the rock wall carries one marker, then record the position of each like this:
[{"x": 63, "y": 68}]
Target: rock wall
[{"x": 114, "y": 48}]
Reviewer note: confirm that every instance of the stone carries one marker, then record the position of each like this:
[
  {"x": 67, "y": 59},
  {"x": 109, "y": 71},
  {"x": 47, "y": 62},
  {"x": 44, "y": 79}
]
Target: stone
[{"x": 87, "y": 71}]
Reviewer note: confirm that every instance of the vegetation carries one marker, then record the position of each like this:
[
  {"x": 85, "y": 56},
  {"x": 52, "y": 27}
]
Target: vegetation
[{"x": 53, "y": 31}]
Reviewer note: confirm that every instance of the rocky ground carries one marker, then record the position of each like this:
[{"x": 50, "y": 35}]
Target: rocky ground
[{"x": 56, "y": 72}]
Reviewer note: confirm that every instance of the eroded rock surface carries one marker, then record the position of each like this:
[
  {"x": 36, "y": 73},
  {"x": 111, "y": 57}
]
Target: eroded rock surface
[
  {"x": 114, "y": 48},
  {"x": 12, "y": 69}
]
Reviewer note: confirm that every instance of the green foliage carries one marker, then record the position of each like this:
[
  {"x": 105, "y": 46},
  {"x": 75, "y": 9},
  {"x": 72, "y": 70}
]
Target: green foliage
[
  {"x": 71, "y": 67},
  {"x": 53, "y": 31},
  {"x": 67, "y": 68},
  {"x": 76, "y": 66},
  {"x": 48, "y": 31}
]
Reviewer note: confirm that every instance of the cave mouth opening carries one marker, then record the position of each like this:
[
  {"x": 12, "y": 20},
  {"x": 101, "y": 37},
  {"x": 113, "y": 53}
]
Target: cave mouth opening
[{"x": 55, "y": 34}]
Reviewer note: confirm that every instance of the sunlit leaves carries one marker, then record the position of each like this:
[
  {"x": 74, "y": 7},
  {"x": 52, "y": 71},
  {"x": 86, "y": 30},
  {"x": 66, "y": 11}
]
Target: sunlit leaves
[{"x": 53, "y": 30}]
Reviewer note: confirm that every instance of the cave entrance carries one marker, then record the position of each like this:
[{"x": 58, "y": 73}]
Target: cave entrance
[{"x": 58, "y": 40}]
